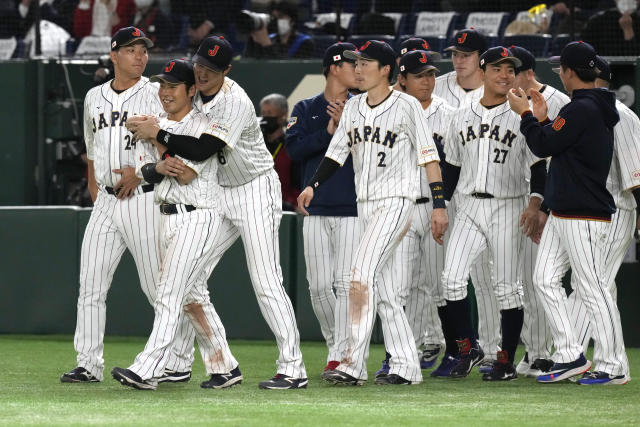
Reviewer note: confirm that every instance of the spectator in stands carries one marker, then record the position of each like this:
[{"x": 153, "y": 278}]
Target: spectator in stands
[
  {"x": 102, "y": 17},
  {"x": 274, "y": 111},
  {"x": 615, "y": 32},
  {"x": 206, "y": 17},
  {"x": 17, "y": 16},
  {"x": 154, "y": 23},
  {"x": 566, "y": 21},
  {"x": 286, "y": 43}
]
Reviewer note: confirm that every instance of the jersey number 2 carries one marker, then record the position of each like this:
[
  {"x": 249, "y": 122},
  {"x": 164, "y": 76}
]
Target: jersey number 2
[
  {"x": 381, "y": 163},
  {"x": 499, "y": 152}
]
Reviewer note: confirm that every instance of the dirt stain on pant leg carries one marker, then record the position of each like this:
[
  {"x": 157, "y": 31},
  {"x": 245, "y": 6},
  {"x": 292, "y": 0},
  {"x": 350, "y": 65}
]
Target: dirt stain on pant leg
[
  {"x": 358, "y": 295},
  {"x": 199, "y": 319}
]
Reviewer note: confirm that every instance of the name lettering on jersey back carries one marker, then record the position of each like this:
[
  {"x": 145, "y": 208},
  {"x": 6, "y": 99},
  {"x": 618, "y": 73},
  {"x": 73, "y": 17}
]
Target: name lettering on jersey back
[
  {"x": 116, "y": 119},
  {"x": 369, "y": 134},
  {"x": 505, "y": 137}
]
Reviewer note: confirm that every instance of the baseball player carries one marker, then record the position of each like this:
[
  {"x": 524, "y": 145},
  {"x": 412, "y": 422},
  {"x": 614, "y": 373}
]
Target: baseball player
[
  {"x": 118, "y": 196},
  {"x": 419, "y": 258},
  {"x": 491, "y": 157},
  {"x": 460, "y": 88},
  {"x": 331, "y": 232},
  {"x": 187, "y": 195},
  {"x": 624, "y": 186},
  {"x": 581, "y": 207},
  {"x": 385, "y": 132},
  {"x": 250, "y": 201},
  {"x": 535, "y": 335}
]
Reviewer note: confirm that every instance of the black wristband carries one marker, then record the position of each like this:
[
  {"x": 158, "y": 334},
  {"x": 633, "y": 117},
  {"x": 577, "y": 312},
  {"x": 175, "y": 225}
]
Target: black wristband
[
  {"x": 437, "y": 194},
  {"x": 163, "y": 137},
  {"x": 150, "y": 174}
]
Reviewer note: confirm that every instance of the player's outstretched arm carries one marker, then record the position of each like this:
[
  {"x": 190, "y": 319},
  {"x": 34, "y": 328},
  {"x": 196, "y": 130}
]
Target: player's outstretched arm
[
  {"x": 439, "y": 218},
  {"x": 326, "y": 169}
]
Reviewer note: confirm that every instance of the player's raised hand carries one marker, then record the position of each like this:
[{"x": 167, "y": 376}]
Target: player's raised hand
[
  {"x": 334, "y": 110},
  {"x": 171, "y": 166},
  {"x": 145, "y": 129},
  {"x": 539, "y": 104},
  {"x": 304, "y": 199},
  {"x": 439, "y": 224},
  {"x": 127, "y": 185},
  {"x": 518, "y": 100}
]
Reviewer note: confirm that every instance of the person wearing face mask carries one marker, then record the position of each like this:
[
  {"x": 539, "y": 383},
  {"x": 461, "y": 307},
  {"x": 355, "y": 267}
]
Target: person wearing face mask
[
  {"x": 274, "y": 110},
  {"x": 155, "y": 24},
  {"x": 615, "y": 31},
  {"x": 286, "y": 43}
]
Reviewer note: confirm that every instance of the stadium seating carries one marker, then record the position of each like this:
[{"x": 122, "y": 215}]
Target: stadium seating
[{"x": 537, "y": 44}]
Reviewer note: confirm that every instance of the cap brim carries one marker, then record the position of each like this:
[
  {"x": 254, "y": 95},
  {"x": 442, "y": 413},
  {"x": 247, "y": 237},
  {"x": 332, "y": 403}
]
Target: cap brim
[
  {"x": 357, "y": 55},
  {"x": 164, "y": 78},
  {"x": 425, "y": 68},
  {"x": 197, "y": 59},
  {"x": 516, "y": 62},
  {"x": 461, "y": 49},
  {"x": 147, "y": 42},
  {"x": 554, "y": 60}
]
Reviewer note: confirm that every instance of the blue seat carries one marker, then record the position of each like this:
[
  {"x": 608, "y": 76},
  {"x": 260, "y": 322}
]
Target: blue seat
[
  {"x": 537, "y": 44},
  {"x": 322, "y": 42}
]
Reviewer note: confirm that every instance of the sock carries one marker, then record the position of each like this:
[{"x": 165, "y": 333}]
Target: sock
[
  {"x": 387, "y": 356},
  {"x": 459, "y": 315},
  {"x": 450, "y": 340},
  {"x": 511, "y": 322}
]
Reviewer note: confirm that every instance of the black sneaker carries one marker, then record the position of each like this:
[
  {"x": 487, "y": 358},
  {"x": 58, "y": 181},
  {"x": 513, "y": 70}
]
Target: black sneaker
[
  {"x": 543, "y": 365},
  {"x": 131, "y": 379},
  {"x": 283, "y": 382},
  {"x": 171, "y": 376},
  {"x": 78, "y": 375},
  {"x": 218, "y": 381},
  {"x": 394, "y": 379},
  {"x": 501, "y": 371},
  {"x": 468, "y": 358},
  {"x": 341, "y": 378}
]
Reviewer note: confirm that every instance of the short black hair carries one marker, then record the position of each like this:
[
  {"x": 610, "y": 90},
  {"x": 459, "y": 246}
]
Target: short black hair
[
  {"x": 286, "y": 8},
  {"x": 587, "y": 76},
  {"x": 325, "y": 70}
]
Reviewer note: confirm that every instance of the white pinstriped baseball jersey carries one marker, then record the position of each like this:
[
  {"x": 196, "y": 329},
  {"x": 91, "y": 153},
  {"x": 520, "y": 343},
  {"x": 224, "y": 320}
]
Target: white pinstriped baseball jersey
[
  {"x": 625, "y": 166},
  {"x": 246, "y": 156},
  {"x": 438, "y": 119},
  {"x": 488, "y": 142},
  {"x": 382, "y": 141},
  {"x": 203, "y": 191},
  {"x": 109, "y": 144},
  {"x": 448, "y": 89},
  {"x": 555, "y": 100}
]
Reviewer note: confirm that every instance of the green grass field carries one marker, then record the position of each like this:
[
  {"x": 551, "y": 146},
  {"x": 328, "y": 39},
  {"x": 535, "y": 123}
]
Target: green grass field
[{"x": 31, "y": 393}]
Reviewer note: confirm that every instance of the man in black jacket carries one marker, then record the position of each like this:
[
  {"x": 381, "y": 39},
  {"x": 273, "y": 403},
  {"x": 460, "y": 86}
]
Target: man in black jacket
[{"x": 580, "y": 142}]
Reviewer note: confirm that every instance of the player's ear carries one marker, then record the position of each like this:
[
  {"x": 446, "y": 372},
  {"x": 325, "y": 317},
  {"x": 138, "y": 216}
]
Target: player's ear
[
  {"x": 191, "y": 92},
  {"x": 225, "y": 72},
  {"x": 113, "y": 55}
]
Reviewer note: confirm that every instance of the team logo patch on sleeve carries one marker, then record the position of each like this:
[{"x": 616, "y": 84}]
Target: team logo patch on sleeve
[
  {"x": 292, "y": 121},
  {"x": 216, "y": 127},
  {"x": 558, "y": 123},
  {"x": 427, "y": 152},
  {"x": 635, "y": 174}
]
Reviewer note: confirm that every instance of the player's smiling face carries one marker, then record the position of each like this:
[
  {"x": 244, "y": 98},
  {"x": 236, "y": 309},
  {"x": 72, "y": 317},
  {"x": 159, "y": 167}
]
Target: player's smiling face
[
  {"x": 419, "y": 85},
  {"x": 175, "y": 98},
  {"x": 465, "y": 63},
  {"x": 499, "y": 78},
  {"x": 208, "y": 81},
  {"x": 130, "y": 61},
  {"x": 369, "y": 74}
]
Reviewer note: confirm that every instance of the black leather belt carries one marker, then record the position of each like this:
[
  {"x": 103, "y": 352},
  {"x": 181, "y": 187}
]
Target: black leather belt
[
  {"x": 422, "y": 200},
  {"x": 171, "y": 209},
  {"x": 145, "y": 189},
  {"x": 482, "y": 195}
]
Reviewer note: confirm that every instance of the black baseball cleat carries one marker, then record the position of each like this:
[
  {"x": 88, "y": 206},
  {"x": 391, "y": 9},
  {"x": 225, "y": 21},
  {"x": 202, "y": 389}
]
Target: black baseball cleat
[
  {"x": 131, "y": 379},
  {"x": 78, "y": 375},
  {"x": 342, "y": 378},
  {"x": 171, "y": 376},
  {"x": 219, "y": 381},
  {"x": 283, "y": 382},
  {"x": 501, "y": 372},
  {"x": 392, "y": 379},
  {"x": 468, "y": 358}
]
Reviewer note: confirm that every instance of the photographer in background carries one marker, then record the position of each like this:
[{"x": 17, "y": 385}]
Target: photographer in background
[
  {"x": 286, "y": 43},
  {"x": 274, "y": 111}
]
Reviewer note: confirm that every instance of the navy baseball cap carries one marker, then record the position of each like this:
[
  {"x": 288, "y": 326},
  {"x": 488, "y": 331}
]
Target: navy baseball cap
[
  {"x": 176, "y": 71},
  {"x": 526, "y": 57},
  {"x": 497, "y": 55},
  {"x": 469, "y": 40},
  {"x": 374, "y": 50},
  {"x": 129, "y": 35},
  {"x": 605, "y": 70},
  {"x": 576, "y": 55},
  {"x": 417, "y": 61},
  {"x": 334, "y": 53},
  {"x": 214, "y": 53}
]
